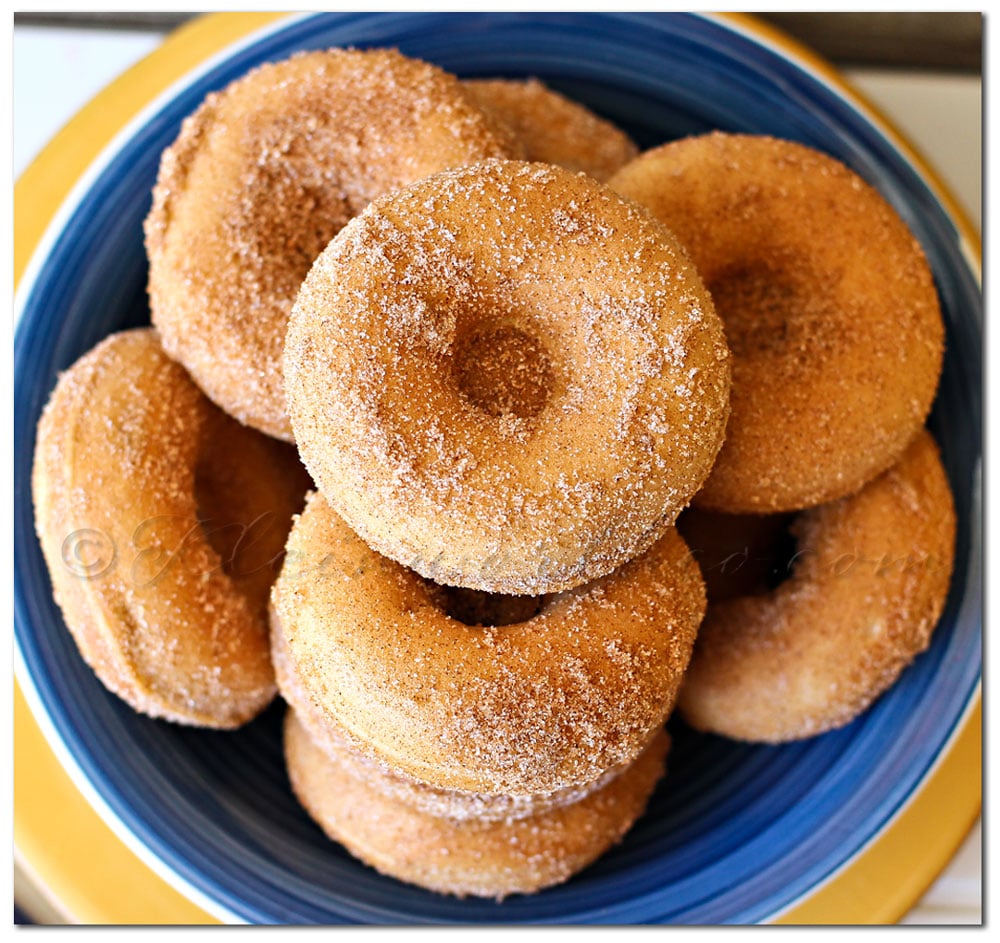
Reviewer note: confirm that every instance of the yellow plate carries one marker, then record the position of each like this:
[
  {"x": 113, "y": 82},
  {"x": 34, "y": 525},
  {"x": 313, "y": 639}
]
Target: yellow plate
[{"x": 58, "y": 836}]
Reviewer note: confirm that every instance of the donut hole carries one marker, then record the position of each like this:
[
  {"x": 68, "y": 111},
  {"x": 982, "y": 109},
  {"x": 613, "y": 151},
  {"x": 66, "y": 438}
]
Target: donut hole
[
  {"x": 504, "y": 372},
  {"x": 766, "y": 304},
  {"x": 289, "y": 212},
  {"x": 474, "y": 607},
  {"x": 740, "y": 554}
]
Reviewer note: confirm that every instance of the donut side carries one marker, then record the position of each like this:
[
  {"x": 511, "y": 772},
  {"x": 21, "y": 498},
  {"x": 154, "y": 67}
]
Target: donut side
[
  {"x": 549, "y": 704},
  {"x": 869, "y": 584},
  {"x": 469, "y": 858},
  {"x": 166, "y": 621}
]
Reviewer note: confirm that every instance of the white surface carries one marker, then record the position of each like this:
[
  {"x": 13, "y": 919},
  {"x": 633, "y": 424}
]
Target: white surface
[{"x": 56, "y": 71}]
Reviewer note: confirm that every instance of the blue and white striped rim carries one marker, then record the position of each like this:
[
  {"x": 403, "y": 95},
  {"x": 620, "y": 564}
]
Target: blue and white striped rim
[{"x": 736, "y": 833}]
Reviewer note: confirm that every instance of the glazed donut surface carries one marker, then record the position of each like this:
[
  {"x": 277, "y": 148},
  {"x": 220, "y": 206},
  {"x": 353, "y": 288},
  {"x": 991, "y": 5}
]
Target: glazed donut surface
[
  {"x": 507, "y": 378},
  {"x": 479, "y": 858},
  {"x": 830, "y": 311},
  {"x": 522, "y": 710},
  {"x": 869, "y": 583},
  {"x": 162, "y": 522},
  {"x": 261, "y": 177}
]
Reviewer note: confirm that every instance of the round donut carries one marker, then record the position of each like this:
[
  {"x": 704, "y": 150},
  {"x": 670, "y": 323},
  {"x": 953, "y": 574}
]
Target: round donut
[
  {"x": 507, "y": 378},
  {"x": 522, "y": 710},
  {"x": 261, "y": 177},
  {"x": 162, "y": 522},
  {"x": 829, "y": 306},
  {"x": 484, "y": 859},
  {"x": 393, "y": 783},
  {"x": 552, "y": 128},
  {"x": 869, "y": 582}
]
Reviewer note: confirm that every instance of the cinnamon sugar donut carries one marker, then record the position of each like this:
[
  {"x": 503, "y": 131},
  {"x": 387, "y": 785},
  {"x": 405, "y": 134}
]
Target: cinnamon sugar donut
[
  {"x": 506, "y": 377},
  {"x": 393, "y": 783},
  {"x": 261, "y": 177},
  {"x": 869, "y": 583},
  {"x": 480, "y": 858},
  {"x": 522, "y": 710},
  {"x": 162, "y": 522},
  {"x": 829, "y": 306},
  {"x": 552, "y": 128}
]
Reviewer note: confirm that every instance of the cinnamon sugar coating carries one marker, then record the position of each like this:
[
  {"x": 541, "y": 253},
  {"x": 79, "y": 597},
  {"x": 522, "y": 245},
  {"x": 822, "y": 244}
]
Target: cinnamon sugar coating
[
  {"x": 396, "y": 784},
  {"x": 552, "y": 128},
  {"x": 522, "y": 710},
  {"x": 162, "y": 522},
  {"x": 491, "y": 859},
  {"x": 869, "y": 583},
  {"x": 830, "y": 311},
  {"x": 261, "y": 177},
  {"x": 577, "y": 455}
]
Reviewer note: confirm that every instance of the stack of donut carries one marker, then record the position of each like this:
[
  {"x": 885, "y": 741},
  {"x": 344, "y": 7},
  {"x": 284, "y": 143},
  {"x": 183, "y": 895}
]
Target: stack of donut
[{"x": 513, "y": 355}]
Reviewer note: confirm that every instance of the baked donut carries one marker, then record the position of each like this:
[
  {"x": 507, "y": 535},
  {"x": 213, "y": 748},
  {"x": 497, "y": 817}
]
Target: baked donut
[
  {"x": 868, "y": 585},
  {"x": 521, "y": 710},
  {"x": 261, "y": 177},
  {"x": 485, "y": 859},
  {"x": 829, "y": 306},
  {"x": 506, "y": 377},
  {"x": 392, "y": 783},
  {"x": 552, "y": 128},
  {"x": 162, "y": 522}
]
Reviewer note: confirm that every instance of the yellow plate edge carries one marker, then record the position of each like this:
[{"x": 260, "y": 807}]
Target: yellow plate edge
[
  {"x": 878, "y": 886},
  {"x": 55, "y": 828}
]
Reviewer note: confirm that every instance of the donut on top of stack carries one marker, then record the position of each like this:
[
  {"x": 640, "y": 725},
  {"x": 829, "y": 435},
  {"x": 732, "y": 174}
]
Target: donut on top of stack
[{"x": 506, "y": 377}]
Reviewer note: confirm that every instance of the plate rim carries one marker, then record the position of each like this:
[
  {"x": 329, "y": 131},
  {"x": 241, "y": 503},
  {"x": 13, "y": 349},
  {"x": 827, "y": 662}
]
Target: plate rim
[{"x": 42, "y": 196}]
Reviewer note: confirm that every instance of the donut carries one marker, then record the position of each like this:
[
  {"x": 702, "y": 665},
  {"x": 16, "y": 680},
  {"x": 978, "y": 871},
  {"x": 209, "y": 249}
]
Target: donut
[
  {"x": 260, "y": 178},
  {"x": 492, "y": 859},
  {"x": 506, "y": 377},
  {"x": 527, "y": 709},
  {"x": 552, "y": 128},
  {"x": 162, "y": 522},
  {"x": 868, "y": 584},
  {"x": 829, "y": 307},
  {"x": 396, "y": 785}
]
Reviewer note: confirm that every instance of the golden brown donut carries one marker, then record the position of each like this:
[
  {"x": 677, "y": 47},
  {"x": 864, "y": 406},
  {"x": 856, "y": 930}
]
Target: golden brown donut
[
  {"x": 483, "y": 859},
  {"x": 552, "y": 128},
  {"x": 261, "y": 177},
  {"x": 829, "y": 306},
  {"x": 506, "y": 377},
  {"x": 163, "y": 523},
  {"x": 869, "y": 583},
  {"x": 522, "y": 710},
  {"x": 395, "y": 784}
]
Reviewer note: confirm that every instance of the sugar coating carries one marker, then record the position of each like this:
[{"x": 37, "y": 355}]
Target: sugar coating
[
  {"x": 553, "y": 129},
  {"x": 869, "y": 583},
  {"x": 829, "y": 305},
  {"x": 485, "y": 858},
  {"x": 162, "y": 522},
  {"x": 551, "y": 703},
  {"x": 261, "y": 177},
  {"x": 529, "y": 498}
]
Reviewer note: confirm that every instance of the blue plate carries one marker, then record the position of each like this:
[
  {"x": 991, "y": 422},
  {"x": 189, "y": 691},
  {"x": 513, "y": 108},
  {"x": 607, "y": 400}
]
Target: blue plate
[{"x": 735, "y": 833}]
